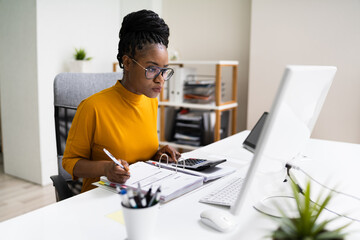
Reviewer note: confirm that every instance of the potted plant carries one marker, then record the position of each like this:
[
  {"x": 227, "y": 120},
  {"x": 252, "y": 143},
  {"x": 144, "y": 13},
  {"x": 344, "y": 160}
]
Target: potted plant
[
  {"x": 307, "y": 226},
  {"x": 80, "y": 62}
]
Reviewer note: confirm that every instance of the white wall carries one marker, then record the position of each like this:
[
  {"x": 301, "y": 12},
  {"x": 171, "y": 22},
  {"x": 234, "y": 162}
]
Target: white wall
[
  {"x": 19, "y": 89},
  {"x": 63, "y": 25},
  {"x": 128, "y": 6},
  {"x": 37, "y": 40},
  {"x": 213, "y": 30},
  {"x": 322, "y": 32}
]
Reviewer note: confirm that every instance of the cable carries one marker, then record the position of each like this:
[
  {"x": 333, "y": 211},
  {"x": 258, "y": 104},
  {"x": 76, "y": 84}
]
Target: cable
[{"x": 289, "y": 166}]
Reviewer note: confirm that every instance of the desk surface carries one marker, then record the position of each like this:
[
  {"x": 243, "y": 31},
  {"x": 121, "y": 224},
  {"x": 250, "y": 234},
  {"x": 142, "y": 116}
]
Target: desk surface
[{"x": 85, "y": 216}]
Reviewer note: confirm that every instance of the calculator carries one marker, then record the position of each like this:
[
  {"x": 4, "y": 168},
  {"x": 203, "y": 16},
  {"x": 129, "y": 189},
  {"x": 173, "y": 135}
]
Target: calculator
[{"x": 198, "y": 164}]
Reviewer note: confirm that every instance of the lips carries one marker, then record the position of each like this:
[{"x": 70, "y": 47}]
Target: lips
[{"x": 157, "y": 89}]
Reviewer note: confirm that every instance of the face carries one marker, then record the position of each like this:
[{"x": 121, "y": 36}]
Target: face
[{"x": 135, "y": 80}]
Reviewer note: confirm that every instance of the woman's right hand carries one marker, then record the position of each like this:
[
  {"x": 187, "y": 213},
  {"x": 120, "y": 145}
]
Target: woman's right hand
[{"x": 117, "y": 174}]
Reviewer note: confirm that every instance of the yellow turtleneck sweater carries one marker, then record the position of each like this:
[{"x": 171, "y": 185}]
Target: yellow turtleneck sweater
[{"x": 120, "y": 121}]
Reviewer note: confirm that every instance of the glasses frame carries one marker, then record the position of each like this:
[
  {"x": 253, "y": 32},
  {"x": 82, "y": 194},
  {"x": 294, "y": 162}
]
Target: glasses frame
[{"x": 162, "y": 70}]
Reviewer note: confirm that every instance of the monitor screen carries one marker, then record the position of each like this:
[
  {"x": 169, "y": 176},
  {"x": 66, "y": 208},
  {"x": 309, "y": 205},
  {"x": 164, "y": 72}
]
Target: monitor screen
[{"x": 291, "y": 119}]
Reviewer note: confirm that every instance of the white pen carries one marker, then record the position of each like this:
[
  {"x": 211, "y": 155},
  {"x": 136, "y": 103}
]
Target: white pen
[{"x": 113, "y": 158}]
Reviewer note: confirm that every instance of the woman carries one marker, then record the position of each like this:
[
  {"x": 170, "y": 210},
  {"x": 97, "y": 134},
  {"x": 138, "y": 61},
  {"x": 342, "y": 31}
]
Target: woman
[{"x": 122, "y": 119}]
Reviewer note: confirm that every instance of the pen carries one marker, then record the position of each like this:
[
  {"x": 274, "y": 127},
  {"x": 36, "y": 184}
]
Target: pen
[
  {"x": 157, "y": 198},
  {"x": 124, "y": 198},
  {"x": 131, "y": 196},
  {"x": 113, "y": 158},
  {"x": 154, "y": 197},
  {"x": 148, "y": 195},
  {"x": 141, "y": 196}
]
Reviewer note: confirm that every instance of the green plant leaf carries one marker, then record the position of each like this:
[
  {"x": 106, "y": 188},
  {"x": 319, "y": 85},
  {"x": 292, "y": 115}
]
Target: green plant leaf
[
  {"x": 330, "y": 235},
  {"x": 80, "y": 54},
  {"x": 322, "y": 205},
  {"x": 307, "y": 225}
]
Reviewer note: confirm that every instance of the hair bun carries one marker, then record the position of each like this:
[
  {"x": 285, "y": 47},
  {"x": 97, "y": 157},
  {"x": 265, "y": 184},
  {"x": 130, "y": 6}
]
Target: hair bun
[
  {"x": 140, "y": 28},
  {"x": 143, "y": 21}
]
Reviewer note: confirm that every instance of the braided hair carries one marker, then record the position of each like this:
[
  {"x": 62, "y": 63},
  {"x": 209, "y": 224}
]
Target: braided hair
[{"x": 141, "y": 28}]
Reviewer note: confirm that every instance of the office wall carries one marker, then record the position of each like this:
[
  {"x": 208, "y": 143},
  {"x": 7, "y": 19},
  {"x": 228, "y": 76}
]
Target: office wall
[
  {"x": 213, "y": 30},
  {"x": 19, "y": 89},
  {"x": 321, "y": 32},
  {"x": 128, "y": 6},
  {"x": 37, "y": 41},
  {"x": 62, "y": 26}
]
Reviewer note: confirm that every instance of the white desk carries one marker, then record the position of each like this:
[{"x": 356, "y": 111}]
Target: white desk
[{"x": 85, "y": 216}]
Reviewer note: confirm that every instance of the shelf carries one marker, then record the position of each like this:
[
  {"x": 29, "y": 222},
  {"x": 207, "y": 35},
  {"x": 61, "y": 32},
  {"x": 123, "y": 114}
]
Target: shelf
[
  {"x": 176, "y": 145},
  {"x": 211, "y": 106},
  {"x": 218, "y": 106},
  {"x": 197, "y": 62}
]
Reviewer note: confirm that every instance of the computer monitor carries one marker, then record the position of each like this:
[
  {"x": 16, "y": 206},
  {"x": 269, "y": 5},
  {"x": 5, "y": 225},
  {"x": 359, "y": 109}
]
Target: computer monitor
[
  {"x": 252, "y": 139},
  {"x": 292, "y": 117}
]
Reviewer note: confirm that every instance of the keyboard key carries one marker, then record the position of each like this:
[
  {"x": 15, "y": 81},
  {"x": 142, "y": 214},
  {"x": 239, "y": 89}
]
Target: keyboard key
[{"x": 226, "y": 194}]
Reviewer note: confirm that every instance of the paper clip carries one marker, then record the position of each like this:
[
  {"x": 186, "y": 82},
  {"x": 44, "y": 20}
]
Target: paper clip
[{"x": 167, "y": 159}]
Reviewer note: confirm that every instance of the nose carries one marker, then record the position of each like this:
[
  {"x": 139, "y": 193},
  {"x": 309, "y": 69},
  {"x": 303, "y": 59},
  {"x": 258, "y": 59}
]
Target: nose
[{"x": 159, "y": 79}]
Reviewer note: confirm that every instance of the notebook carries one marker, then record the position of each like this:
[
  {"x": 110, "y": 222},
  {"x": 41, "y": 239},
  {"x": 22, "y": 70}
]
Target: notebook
[{"x": 173, "y": 183}]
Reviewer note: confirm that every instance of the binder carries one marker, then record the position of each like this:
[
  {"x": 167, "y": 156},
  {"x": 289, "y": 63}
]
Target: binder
[
  {"x": 173, "y": 183},
  {"x": 176, "y": 84},
  {"x": 207, "y": 174}
]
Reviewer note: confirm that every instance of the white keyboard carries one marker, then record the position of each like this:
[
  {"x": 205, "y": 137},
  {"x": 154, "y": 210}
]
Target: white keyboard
[{"x": 225, "y": 194}]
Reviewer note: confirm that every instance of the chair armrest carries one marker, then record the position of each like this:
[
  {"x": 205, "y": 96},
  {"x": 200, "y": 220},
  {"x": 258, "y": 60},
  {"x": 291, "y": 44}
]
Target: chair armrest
[{"x": 62, "y": 189}]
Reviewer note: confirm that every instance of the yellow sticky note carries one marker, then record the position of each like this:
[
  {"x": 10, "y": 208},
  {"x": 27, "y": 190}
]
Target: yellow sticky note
[{"x": 117, "y": 216}]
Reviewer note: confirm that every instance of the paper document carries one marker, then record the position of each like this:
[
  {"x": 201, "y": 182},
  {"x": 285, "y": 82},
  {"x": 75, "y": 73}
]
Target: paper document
[
  {"x": 173, "y": 184},
  {"x": 207, "y": 174}
]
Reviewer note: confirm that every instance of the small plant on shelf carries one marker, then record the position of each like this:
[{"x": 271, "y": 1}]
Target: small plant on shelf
[
  {"x": 80, "y": 54},
  {"x": 307, "y": 226}
]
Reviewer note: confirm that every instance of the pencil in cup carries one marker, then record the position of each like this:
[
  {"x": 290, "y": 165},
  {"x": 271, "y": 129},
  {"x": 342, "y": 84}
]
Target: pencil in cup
[
  {"x": 143, "y": 218},
  {"x": 136, "y": 199}
]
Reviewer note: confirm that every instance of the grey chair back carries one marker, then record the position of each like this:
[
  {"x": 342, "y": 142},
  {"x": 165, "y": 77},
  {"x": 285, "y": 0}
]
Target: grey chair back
[{"x": 69, "y": 90}]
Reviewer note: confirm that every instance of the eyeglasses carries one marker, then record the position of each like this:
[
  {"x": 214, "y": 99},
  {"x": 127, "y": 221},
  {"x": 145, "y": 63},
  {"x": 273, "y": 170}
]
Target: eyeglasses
[{"x": 153, "y": 71}]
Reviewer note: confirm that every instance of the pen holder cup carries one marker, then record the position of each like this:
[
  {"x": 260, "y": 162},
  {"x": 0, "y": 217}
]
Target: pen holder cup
[{"x": 140, "y": 223}]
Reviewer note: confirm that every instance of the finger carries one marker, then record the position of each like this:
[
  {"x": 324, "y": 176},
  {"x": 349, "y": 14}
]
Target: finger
[
  {"x": 173, "y": 153},
  {"x": 172, "y": 156},
  {"x": 161, "y": 152},
  {"x": 120, "y": 171},
  {"x": 120, "y": 178},
  {"x": 125, "y": 164},
  {"x": 176, "y": 153}
]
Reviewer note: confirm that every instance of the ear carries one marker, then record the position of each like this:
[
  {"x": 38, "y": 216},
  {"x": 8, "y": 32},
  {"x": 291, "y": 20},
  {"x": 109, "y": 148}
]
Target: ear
[{"x": 126, "y": 62}]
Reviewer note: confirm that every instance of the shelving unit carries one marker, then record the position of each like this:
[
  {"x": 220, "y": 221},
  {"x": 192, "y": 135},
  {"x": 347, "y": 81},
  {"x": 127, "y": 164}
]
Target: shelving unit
[{"x": 218, "y": 106}]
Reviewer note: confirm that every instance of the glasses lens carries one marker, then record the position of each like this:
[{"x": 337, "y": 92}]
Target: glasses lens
[
  {"x": 167, "y": 74},
  {"x": 152, "y": 72}
]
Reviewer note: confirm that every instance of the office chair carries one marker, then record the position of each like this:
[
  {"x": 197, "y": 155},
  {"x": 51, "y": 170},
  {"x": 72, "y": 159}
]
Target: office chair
[{"x": 69, "y": 90}]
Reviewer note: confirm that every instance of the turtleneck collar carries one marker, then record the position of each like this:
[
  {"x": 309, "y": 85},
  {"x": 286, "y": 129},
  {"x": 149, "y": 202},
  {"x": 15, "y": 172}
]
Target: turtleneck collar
[{"x": 126, "y": 94}]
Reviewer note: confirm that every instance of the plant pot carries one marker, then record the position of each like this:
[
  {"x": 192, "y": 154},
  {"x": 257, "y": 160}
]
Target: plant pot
[{"x": 79, "y": 66}]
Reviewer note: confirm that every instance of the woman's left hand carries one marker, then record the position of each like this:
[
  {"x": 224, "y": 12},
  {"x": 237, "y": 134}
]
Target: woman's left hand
[{"x": 169, "y": 151}]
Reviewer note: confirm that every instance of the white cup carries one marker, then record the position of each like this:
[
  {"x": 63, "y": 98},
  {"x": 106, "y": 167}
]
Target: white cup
[{"x": 140, "y": 223}]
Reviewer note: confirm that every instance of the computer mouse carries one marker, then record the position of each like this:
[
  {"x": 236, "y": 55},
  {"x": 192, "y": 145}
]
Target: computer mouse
[{"x": 219, "y": 220}]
